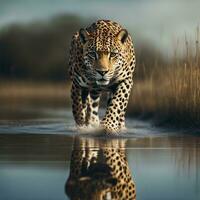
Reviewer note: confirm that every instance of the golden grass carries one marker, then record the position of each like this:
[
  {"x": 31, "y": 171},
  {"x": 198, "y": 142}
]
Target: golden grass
[
  {"x": 19, "y": 92},
  {"x": 172, "y": 92}
]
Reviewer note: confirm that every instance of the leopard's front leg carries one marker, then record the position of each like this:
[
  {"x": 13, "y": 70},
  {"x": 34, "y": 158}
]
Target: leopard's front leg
[
  {"x": 114, "y": 119},
  {"x": 92, "y": 117},
  {"x": 79, "y": 104}
]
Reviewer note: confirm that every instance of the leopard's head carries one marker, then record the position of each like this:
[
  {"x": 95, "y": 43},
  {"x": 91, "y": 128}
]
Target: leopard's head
[{"x": 104, "y": 52}]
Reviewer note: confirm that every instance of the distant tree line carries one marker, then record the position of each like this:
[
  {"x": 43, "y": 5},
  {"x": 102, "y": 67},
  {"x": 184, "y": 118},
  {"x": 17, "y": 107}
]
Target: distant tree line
[{"x": 38, "y": 50}]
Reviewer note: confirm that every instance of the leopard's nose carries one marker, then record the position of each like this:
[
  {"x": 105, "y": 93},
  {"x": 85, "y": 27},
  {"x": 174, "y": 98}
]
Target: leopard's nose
[{"x": 102, "y": 72}]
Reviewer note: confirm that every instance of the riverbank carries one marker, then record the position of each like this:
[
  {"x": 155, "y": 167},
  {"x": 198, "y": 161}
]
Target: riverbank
[{"x": 168, "y": 99}]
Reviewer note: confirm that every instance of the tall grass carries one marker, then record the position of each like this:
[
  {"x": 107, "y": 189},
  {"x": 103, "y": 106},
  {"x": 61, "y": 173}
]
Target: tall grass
[{"x": 171, "y": 93}]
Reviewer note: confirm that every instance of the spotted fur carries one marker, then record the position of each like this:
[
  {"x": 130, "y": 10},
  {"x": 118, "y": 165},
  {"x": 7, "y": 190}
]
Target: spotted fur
[
  {"x": 102, "y": 59},
  {"x": 99, "y": 171}
]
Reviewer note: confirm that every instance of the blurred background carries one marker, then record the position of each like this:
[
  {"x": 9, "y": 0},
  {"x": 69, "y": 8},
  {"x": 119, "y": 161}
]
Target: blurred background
[
  {"x": 34, "y": 49},
  {"x": 35, "y": 35}
]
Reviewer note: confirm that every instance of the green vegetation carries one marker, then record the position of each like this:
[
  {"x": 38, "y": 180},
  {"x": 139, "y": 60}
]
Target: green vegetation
[{"x": 37, "y": 51}]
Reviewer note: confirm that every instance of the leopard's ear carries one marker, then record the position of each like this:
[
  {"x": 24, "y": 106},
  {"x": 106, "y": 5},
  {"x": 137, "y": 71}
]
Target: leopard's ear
[
  {"x": 84, "y": 35},
  {"x": 122, "y": 35}
]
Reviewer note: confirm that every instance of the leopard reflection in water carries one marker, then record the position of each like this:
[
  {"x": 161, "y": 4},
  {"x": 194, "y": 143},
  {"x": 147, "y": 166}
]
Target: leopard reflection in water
[{"x": 99, "y": 171}]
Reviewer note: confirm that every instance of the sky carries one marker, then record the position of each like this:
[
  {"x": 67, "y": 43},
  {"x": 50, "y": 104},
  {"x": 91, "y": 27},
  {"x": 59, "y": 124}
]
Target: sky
[{"x": 160, "y": 22}]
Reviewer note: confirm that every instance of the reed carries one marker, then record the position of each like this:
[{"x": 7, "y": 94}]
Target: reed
[{"x": 171, "y": 93}]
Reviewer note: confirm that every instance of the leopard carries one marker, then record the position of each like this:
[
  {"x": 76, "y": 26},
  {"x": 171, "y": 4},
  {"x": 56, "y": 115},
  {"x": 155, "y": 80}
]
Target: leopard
[
  {"x": 101, "y": 60},
  {"x": 99, "y": 171}
]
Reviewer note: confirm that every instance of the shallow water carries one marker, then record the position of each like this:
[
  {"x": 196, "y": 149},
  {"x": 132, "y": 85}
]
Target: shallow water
[{"x": 35, "y": 156}]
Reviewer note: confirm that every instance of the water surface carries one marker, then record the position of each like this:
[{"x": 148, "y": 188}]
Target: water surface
[{"x": 35, "y": 156}]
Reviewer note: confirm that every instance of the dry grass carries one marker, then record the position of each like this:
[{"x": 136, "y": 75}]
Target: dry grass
[
  {"x": 20, "y": 92},
  {"x": 172, "y": 92}
]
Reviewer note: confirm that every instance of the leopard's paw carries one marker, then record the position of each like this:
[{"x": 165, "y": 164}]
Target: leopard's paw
[{"x": 109, "y": 130}]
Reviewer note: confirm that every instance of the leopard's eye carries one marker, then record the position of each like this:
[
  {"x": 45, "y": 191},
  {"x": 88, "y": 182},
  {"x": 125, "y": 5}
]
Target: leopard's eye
[
  {"x": 113, "y": 54},
  {"x": 92, "y": 54}
]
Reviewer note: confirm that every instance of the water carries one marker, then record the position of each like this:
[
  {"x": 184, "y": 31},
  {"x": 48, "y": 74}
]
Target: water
[{"x": 35, "y": 155}]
